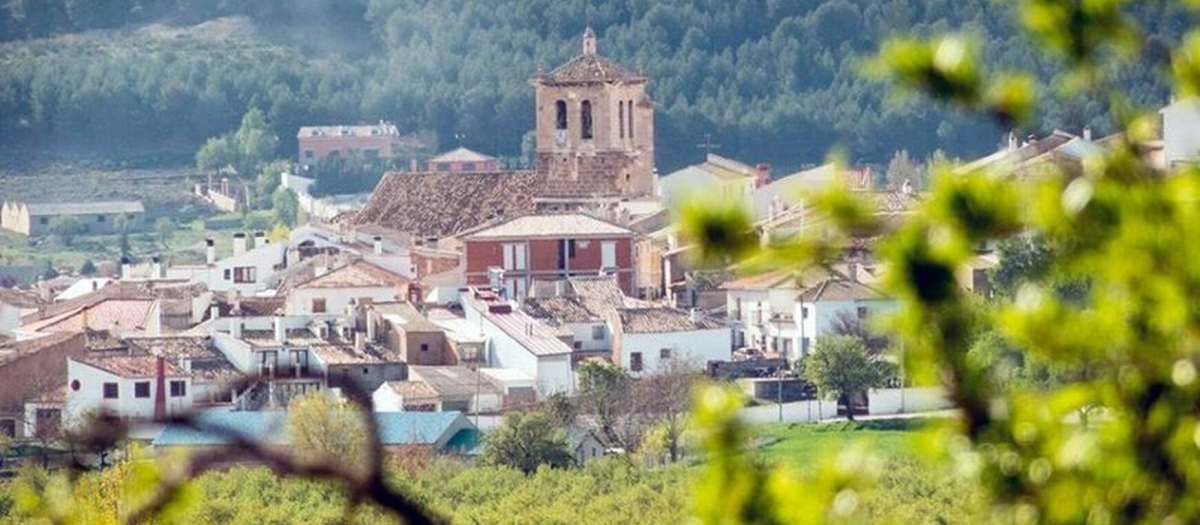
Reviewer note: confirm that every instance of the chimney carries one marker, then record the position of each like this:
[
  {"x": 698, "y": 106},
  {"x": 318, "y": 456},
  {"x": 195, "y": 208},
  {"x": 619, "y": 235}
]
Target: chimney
[
  {"x": 95, "y": 285},
  {"x": 280, "y": 333},
  {"x": 372, "y": 328},
  {"x": 762, "y": 174},
  {"x": 412, "y": 165},
  {"x": 160, "y": 394},
  {"x": 378, "y": 245},
  {"x": 239, "y": 243},
  {"x": 1087, "y": 133},
  {"x": 155, "y": 268},
  {"x": 359, "y": 341},
  {"x": 210, "y": 251},
  {"x": 259, "y": 239},
  {"x": 852, "y": 269},
  {"x": 214, "y": 313},
  {"x": 86, "y": 316},
  {"x": 693, "y": 315}
]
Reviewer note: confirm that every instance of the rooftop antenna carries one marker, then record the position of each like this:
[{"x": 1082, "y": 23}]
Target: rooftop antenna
[{"x": 708, "y": 145}]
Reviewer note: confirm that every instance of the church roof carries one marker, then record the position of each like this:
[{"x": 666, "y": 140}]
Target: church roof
[
  {"x": 441, "y": 204},
  {"x": 587, "y": 69}
]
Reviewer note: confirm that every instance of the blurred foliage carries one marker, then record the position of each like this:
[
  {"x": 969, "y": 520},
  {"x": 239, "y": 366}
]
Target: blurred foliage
[
  {"x": 841, "y": 367},
  {"x": 526, "y": 440}
]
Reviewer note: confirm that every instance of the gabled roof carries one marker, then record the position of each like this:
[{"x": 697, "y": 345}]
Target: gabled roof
[
  {"x": 559, "y": 309},
  {"x": 462, "y": 155},
  {"x": 573, "y": 225},
  {"x": 19, "y": 299},
  {"x": 130, "y": 314},
  {"x": 14, "y": 350},
  {"x": 663, "y": 320},
  {"x": 131, "y": 366},
  {"x": 840, "y": 288},
  {"x": 358, "y": 274},
  {"x": 441, "y": 204},
  {"x": 452, "y": 381}
]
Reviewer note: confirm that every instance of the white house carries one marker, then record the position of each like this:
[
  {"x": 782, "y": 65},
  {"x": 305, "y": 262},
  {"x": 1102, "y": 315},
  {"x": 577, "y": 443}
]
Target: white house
[
  {"x": 13, "y": 306},
  {"x": 1181, "y": 131},
  {"x": 716, "y": 178},
  {"x": 516, "y": 340},
  {"x": 646, "y": 338},
  {"x": 761, "y": 310},
  {"x": 818, "y": 307},
  {"x": 438, "y": 389},
  {"x": 126, "y": 386},
  {"x": 336, "y": 292},
  {"x": 247, "y": 270}
]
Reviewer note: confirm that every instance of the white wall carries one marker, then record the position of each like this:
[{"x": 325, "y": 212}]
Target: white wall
[
  {"x": 384, "y": 399},
  {"x": 1181, "y": 131},
  {"x": 583, "y": 335},
  {"x": 555, "y": 374},
  {"x": 822, "y": 314},
  {"x": 798, "y": 412},
  {"x": 90, "y": 396},
  {"x": 552, "y": 373},
  {"x": 262, "y": 258},
  {"x": 696, "y": 348},
  {"x": 299, "y": 301},
  {"x": 10, "y": 318},
  {"x": 890, "y": 401}
]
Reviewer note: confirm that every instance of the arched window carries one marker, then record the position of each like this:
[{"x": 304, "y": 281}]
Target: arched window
[
  {"x": 621, "y": 116},
  {"x": 560, "y": 115},
  {"x": 630, "y": 115},
  {"x": 585, "y": 119}
]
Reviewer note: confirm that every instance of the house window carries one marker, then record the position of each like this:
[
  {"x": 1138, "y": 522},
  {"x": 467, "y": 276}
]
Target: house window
[
  {"x": 664, "y": 354},
  {"x": 44, "y": 220},
  {"x": 608, "y": 254},
  {"x": 366, "y": 370},
  {"x": 737, "y": 309},
  {"x": 424, "y": 347},
  {"x": 244, "y": 274},
  {"x": 442, "y": 166},
  {"x": 621, "y": 116},
  {"x": 804, "y": 312},
  {"x": 804, "y": 344},
  {"x": 597, "y": 332},
  {"x": 862, "y": 312},
  {"x": 585, "y": 120},
  {"x": 141, "y": 389},
  {"x": 514, "y": 256},
  {"x": 308, "y": 153},
  {"x": 99, "y": 218},
  {"x": 468, "y": 166},
  {"x": 560, "y": 115},
  {"x": 228, "y": 274},
  {"x": 571, "y": 249},
  {"x": 111, "y": 391},
  {"x": 630, "y": 115},
  {"x": 635, "y": 361},
  {"x": 318, "y": 305},
  {"x": 178, "y": 389},
  {"x": 577, "y": 344}
]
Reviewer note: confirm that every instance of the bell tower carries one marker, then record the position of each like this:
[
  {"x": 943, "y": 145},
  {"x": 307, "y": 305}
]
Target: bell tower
[{"x": 595, "y": 128}]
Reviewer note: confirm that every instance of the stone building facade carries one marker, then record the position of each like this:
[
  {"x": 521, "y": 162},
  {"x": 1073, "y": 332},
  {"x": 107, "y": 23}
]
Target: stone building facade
[{"x": 595, "y": 129}]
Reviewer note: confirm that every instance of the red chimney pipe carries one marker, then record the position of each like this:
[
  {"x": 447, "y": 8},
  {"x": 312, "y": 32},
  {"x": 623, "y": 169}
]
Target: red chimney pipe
[{"x": 160, "y": 394}]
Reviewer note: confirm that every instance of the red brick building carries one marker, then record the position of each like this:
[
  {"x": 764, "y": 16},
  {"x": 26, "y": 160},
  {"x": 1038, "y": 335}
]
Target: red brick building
[
  {"x": 518, "y": 251},
  {"x": 320, "y": 142}
]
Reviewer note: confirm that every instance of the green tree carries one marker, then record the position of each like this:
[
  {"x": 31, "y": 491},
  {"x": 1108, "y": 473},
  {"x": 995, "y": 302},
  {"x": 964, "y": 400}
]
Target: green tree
[
  {"x": 269, "y": 178},
  {"x": 286, "y": 206},
  {"x": 245, "y": 150},
  {"x": 561, "y": 408},
  {"x": 525, "y": 441},
  {"x": 256, "y": 222},
  {"x": 66, "y": 228},
  {"x": 842, "y": 367},
  {"x": 164, "y": 228},
  {"x": 87, "y": 268},
  {"x": 603, "y": 394},
  {"x": 322, "y": 427}
]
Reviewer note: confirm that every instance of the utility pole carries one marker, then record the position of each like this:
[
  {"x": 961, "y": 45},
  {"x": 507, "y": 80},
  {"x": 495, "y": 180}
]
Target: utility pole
[{"x": 779, "y": 393}]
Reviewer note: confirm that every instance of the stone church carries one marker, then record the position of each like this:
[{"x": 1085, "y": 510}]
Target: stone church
[{"x": 595, "y": 149}]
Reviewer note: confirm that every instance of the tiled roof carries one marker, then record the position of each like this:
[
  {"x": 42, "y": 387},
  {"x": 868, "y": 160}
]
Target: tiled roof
[
  {"x": 346, "y": 354},
  {"x": 767, "y": 281},
  {"x": 601, "y": 294},
  {"x": 552, "y": 225},
  {"x": 214, "y": 370},
  {"x": 131, "y": 366},
  {"x": 588, "y": 69},
  {"x": 175, "y": 347},
  {"x": 558, "y": 309},
  {"x": 358, "y": 274},
  {"x": 85, "y": 208},
  {"x": 20, "y": 299},
  {"x": 462, "y": 155},
  {"x": 660, "y": 320},
  {"x": 444, "y": 204},
  {"x": 405, "y": 316},
  {"x": 839, "y": 289},
  {"x": 449, "y": 381},
  {"x": 105, "y": 315},
  {"x": 412, "y": 391},
  {"x": 117, "y": 290},
  {"x": 372, "y": 130},
  {"x": 14, "y": 350},
  {"x": 395, "y": 428},
  {"x": 533, "y": 335}
]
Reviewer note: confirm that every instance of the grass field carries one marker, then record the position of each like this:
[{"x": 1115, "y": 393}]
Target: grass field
[{"x": 800, "y": 443}]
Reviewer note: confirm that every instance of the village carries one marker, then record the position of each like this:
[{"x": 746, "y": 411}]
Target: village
[{"x": 459, "y": 290}]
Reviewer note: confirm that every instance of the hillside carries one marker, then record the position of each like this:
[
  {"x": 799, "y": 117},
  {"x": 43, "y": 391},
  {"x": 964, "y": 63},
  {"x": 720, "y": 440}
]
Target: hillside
[{"x": 149, "y": 80}]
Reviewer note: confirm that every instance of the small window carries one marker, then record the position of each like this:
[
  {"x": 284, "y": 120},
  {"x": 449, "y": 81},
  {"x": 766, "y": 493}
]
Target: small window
[
  {"x": 424, "y": 347},
  {"x": 131, "y": 216},
  {"x": 560, "y": 115},
  {"x": 318, "y": 305},
  {"x": 111, "y": 391},
  {"x": 629, "y": 114},
  {"x": 99, "y": 218},
  {"x": 141, "y": 389},
  {"x": 664, "y": 354},
  {"x": 366, "y": 370},
  {"x": 308, "y": 153},
  {"x": 804, "y": 312},
  {"x": 178, "y": 389},
  {"x": 621, "y": 116},
  {"x": 635, "y": 361},
  {"x": 597, "y": 332},
  {"x": 468, "y": 166},
  {"x": 442, "y": 166},
  {"x": 228, "y": 274},
  {"x": 585, "y": 120},
  {"x": 45, "y": 220},
  {"x": 578, "y": 345},
  {"x": 244, "y": 274}
]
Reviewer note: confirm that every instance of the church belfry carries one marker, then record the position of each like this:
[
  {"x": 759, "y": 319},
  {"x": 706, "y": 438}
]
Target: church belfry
[{"x": 595, "y": 128}]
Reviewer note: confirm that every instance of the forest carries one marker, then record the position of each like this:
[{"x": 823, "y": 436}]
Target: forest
[{"x": 146, "y": 82}]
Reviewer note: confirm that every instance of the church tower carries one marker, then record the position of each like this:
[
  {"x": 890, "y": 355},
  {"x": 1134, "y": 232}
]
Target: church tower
[{"x": 595, "y": 129}]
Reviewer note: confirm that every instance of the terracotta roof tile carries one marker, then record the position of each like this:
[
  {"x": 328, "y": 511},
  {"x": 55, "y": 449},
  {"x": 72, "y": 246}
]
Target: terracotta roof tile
[
  {"x": 358, "y": 274},
  {"x": 588, "y": 69},
  {"x": 131, "y": 366},
  {"x": 550, "y": 225},
  {"x": 659, "y": 320},
  {"x": 444, "y": 204}
]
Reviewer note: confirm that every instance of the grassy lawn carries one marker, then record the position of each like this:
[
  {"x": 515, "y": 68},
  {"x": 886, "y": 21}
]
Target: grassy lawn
[{"x": 800, "y": 443}]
